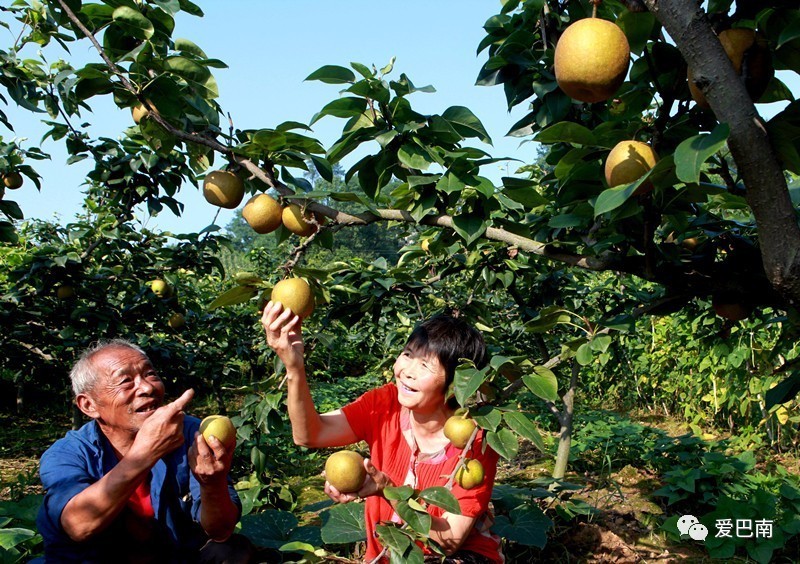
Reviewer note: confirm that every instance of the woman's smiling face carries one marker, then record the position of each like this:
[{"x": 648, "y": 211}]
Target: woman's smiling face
[{"x": 420, "y": 379}]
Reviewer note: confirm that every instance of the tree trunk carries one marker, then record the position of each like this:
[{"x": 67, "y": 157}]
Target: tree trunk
[
  {"x": 566, "y": 418},
  {"x": 767, "y": 193},
  {"x": 20, "y": 397}
]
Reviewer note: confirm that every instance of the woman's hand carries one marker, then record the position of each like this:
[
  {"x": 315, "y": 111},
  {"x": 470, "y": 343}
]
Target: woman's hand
[
  {"x": 374, "y": 484},
  {"x": 284, "y": 334}
]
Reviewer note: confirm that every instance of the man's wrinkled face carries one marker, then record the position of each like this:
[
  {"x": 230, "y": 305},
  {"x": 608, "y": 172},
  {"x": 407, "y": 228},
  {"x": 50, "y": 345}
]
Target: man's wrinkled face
[{"x": 127, "y": 390}]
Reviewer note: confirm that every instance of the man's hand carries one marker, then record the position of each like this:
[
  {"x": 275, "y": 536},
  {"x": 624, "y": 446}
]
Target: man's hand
[
  {"x": 162, "y": 432},
  {"x": 210, "y": 461},
  {"x": 374, "y": 484},
  {"x": 284, "y": 334}
]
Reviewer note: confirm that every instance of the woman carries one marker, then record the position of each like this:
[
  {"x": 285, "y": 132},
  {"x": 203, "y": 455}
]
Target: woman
[{"x": 403, "y": 425}]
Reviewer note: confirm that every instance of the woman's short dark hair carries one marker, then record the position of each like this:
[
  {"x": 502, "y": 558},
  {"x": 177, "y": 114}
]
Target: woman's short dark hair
[{"x": 450, "y": 339}]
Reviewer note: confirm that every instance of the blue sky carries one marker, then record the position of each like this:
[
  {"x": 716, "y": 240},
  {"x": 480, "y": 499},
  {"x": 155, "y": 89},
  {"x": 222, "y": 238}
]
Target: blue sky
[{"x": 270, "y": 47}]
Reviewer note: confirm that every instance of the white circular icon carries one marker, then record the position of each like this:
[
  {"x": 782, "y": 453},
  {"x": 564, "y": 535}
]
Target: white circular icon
[
  {"x": 685, "y": 522},
  {"x": 698, "y": 532}
]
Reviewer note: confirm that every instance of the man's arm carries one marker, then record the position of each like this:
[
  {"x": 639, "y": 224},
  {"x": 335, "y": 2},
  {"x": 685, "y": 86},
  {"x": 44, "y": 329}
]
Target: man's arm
[
  {"x": 94, "y": 508},
  {"x": 210, "y": 463},
  {"x": 309, "y": 428}
]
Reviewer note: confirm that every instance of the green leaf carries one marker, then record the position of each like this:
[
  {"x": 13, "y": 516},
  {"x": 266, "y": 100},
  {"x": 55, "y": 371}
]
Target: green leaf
[
  {"x": 398, "y": 493},
  {"x": 487, "y": 417},
  {"x": 269, "y": 528},
  {"x": 692, "y": 153},
  {"x": 465, "y": 122},
  {"x": 523, "y": 191},
  {"x": 566, "y": 132},
  {"x": 323, "y": 167},
  {"x": 504, "y": 443},
  {"x": 11, "y": 209},
  {"x": 332, "y": 74},
  {"x": 11, "y": 537},
  {"x": 600, "y": 343},
  {"x": 419, "y": 521},
  {"x": 8, "y": 233},
  {"x": 133, "y": 22},
  {"x": 344, "y": 524},
  {"x": 186, "y": 68},
  {"x": 790, "y": 31},
  {"x": 523, "y": 426},
  {"x": 466, "y": 382},
  {"x": 526, "y": 525},
  {"x": 783, "y": 392},
  {"x": 470, "y": 227},
  {"x": 612, "y": 198},
  {"x": 584, "y": 355},
  {"x": 396, "y": 540},
  {"x": 638, "y": 27},
  {"x": 450, "y": 183},
  {"x": 343, "y": 107},
  {"x": 414, "y": 157},
  {"x": 170, "y": 7},
  {"x": 237, "y": 295},
  {"x": 363, "y": 70},
  {"x": 189, "y": 47},
  {"x": 543, "y": 383},
  {"x": 441, "y": 497}
]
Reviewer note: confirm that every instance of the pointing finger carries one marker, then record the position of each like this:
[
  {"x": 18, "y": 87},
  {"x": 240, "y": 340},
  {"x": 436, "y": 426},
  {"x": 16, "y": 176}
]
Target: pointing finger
[{"x": 180, "y": 403}]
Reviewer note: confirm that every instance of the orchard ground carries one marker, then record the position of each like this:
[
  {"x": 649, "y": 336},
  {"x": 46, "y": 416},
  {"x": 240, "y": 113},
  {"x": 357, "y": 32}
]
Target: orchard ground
[{"x": 625, "y": 528}]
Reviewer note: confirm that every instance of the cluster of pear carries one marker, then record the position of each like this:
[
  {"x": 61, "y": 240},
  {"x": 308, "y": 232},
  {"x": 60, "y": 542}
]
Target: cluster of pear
[
  {"x": 164, "y": 290},
  {"x": 591, "y": 61},
  {"x": 345, "y": 470},
  {"x": 458, "y": 429},
  {"x": 262, "y": 212}
]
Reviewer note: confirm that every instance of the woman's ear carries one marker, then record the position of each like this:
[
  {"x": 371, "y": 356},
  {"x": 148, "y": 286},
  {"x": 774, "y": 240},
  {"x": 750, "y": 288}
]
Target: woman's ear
[{"x": 87, "y": 405}]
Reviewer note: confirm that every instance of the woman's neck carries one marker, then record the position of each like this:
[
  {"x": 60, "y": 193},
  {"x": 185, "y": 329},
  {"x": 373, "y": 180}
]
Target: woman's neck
[{"x": 428, "y": 429}]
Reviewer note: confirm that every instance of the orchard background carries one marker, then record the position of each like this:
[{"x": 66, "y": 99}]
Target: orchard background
[{"x": 643, "y": 345}]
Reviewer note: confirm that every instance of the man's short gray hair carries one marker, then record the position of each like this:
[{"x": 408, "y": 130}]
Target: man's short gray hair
[{"x": 83, "y": 374}]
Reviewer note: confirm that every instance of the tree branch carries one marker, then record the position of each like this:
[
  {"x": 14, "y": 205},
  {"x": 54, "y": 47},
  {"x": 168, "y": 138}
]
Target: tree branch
[{"x": 767, "y": 193}]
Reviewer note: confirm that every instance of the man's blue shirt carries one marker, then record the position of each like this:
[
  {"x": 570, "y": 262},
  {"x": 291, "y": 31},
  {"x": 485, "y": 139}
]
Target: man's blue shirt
[{"x": 84, "y": 456}]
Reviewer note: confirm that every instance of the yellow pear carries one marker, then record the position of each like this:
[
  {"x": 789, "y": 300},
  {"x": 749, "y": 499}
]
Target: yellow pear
[
  {"x": 470, "y": 474},
  {"x": 627, "y": 162},
  {"x": 345, "y": 471},
  {"x": 65, "y": 292},
  {"x": 295, "y": 294},
  {"x": 223, "y": 188},
  {"x": 458, "y": 429},
  {"x": 161, "y": 288},
  {"x": 220, "y": 427},
  {"x": 12, "y": 180},
  {"x": 591, "y": 60},
  {"x": 263, "y": 213},
  {"x": 139, "y": 111},
  {"x": 177, "y": 320},
  {"x": 298, "y": 222},
  {"x": 749, "y": 54}
]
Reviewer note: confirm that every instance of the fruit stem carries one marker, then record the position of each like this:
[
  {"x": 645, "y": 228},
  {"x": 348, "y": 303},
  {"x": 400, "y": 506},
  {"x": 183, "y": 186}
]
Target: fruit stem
[
  {"x": 595, "y": 4},
  {"x": 452, "y": 478}
]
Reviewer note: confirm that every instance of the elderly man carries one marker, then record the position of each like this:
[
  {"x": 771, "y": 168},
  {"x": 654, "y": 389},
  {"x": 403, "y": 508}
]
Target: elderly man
[{"x": 138, "y": 482}]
